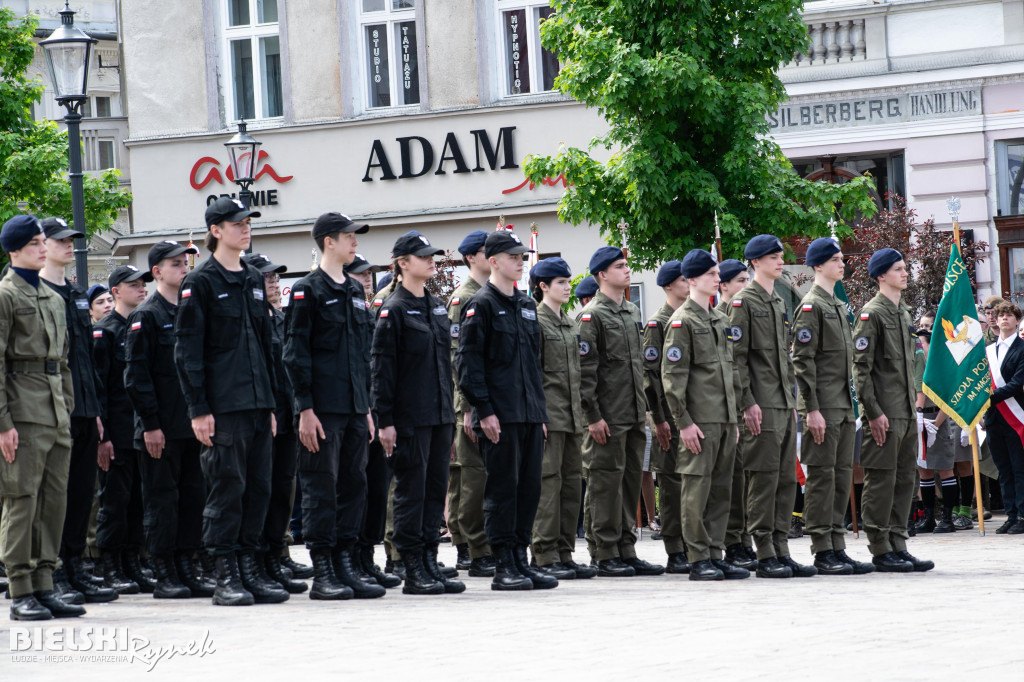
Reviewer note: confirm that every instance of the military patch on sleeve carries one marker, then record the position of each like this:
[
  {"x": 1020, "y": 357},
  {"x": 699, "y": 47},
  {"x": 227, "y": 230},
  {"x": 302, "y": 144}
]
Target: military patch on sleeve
[
  {"x": 676, "y": 324},
  {"x": 807, "y": 307},
  {"x": 652, "y": 323},
  {"x": 651, "y": 353},
  {"x": 455, "y": 301},
  {"x": 861, "y": 343},
  {"x": 803, "y": 335},
  {"x": 865, "y": 316},
  {"x": 384, "y": 313},
  {"x": 735, "y": 333},
  {"x": 673, "y": 354},
  {"x": 97, "y": 334},
  {"x": 584, "y": 347},
  {"x": 737, "y": 303},
  {"x": 471, "y": 312},
  {"x": 585, "y": 317},
  {"x": 455, "y": 330}
]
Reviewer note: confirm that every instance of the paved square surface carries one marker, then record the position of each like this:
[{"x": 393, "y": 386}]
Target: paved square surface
[{"x": 960, "y": 621}]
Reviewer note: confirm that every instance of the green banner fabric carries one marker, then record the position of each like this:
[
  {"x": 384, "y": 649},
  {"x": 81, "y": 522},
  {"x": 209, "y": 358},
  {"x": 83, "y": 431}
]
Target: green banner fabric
[
  {"x": 840, "y": 293},
  {"x": 956, "y": 375}
]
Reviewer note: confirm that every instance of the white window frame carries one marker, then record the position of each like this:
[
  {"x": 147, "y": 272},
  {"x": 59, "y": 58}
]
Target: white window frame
[
  {"x": 253, "y": 32},
  {"x": 533, "y": 47},
  {"x": 1003, "y": 174},
  {"x": 389, "y": 17}
]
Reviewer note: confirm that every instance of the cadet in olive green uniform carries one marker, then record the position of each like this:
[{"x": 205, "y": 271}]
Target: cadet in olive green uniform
[
  {"x": 36, "y": 400},
  {"x": 760, "y": 331},
  {"x": 468, "y": 475},
  {"x": 823, "y": 362},
  {"x": 991, "y": 330},
  {"x": 615, "y": 408},
  {"x": 554, "y": 527},
  {"x": 666, "y": 443},
  {"x": 883, "y": 372},
  {"x": 701, "y": 387},
  {"x": 739, "y": 550}
]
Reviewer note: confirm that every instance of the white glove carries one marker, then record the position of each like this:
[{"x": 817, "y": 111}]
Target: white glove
[
  {"x": 965, "y": 438},
  {"x": 932, "y": 430},
  {"x": 920, "y": 422}
]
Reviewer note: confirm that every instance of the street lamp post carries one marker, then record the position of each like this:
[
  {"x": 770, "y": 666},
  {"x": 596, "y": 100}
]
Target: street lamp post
[
  {"x": 243, "y": 152},
  {"x": 68, "y": 55}
]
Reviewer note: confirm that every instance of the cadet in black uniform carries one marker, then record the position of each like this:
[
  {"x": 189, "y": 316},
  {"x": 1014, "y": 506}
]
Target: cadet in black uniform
[
  {"x": 286, "y": 443},
  {"x": 327, "y": 354},
  {"x": 499, "y": 373},
  {"x": 412, "y": 398},
  {"x": 60, "y": 252},
  {"x": 119, "y": 522},
  {"x": 173, "y": 490},
  {"x": 225, "y": 361}
]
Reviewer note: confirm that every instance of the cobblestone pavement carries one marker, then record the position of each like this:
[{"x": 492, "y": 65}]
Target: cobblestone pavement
[{"x": 961, "y": 619}]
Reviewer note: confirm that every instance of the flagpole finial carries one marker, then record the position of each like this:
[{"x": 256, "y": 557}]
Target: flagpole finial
[{"x": 953, "y": 207}]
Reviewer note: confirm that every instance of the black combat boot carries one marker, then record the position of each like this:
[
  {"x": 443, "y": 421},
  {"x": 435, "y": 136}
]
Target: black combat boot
[
  {"x": 737, "y": 556},
  {"x": 432, "y": 569},
  {"x": 326, "y": 585},
  {"x": 113, "y": 576},
  {"x": 920, "y": 565},
  {"x": 29, "y": 608},
  {"x": 677, "y": 564},
  {"x": 58, "y": 608},
  {"x": 945, "y": 524},
  {"x": 773, "y": 568},
  {"x": 828, "y": 563},
  {"x": 927, "y": 524},
  {"x": 890, "y": 562},
  {"x": 582, "y": 572},
  {"x": 386, "y": 580},
  {"x": 263, "y": 589},
  {"x": 93, "y": 593},
  {"x": 614, "y": 568},
  {"x": 730, "y": 571},
  {"x": 705, "y": 570},
  {"x": 417, "y": 579},
  {"x": 299, "y": 571},
  {"x": 132, "y": 564},
  {"x": 276, "y": 572},
  {"x": 199, "y": 586},
  {"x": 799, "y": 570},
  {"x": 62, "y": 587},
  {"x": 541, "y": 581},
  {"x": 482, "y": 567},
  {"x": 462, "y": 561},
  {"x": 230, "y": 590},
  {"x": 168, "y": 584},
  {"x": 554, "y": 569},
  {"x": 506, "y": 575},
  {"x": 344, "y": 569},
  {"x": 859, "y": 567}
]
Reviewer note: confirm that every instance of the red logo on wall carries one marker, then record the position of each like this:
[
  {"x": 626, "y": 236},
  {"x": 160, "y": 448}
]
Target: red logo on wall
[
  {"x": 211, "y": 166},
  {"x": 550, "y": 182}
]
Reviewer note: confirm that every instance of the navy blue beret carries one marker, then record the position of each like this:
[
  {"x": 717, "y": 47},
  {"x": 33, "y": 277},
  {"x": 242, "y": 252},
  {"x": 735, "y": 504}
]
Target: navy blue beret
[
  {"x": 604, "y": 257},
  {"x": 697, "y": 262},
  {"x": 586, "y": 288},
  {"x": 669, "y": 272},
  {"x": 95, "y": 291},
  {"x": 762, "y": 245},
  {"x": 820, "y": 250},
  {"x": 473, "y": 242},
  {"x": 882, "y": 260},
  {"x": 19, "y": 231},
  {"x": 384, "y": 281},
  {"x": 550, "y": 267},
  {"x": 729, "y": 268}
]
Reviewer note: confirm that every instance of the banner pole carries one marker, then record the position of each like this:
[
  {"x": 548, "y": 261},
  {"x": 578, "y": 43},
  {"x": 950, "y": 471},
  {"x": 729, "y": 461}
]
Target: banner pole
[
  {"x": 977, "y": 481},
  {"x": 853, "y": 510}
]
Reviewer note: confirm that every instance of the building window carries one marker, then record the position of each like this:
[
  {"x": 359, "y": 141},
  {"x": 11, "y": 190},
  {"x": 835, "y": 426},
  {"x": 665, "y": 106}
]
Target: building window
[
  {"x": 105, "y": 149},
  {"x": 253, "y": 59},
  {"x": 389, "y": 43},
  {"x": 1010, "y": 176},
  {"x": 526, "y": 67}
]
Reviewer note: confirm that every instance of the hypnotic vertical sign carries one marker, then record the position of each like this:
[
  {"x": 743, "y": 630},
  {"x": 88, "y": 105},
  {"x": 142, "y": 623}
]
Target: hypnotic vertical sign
[{"x": 516, "y": 52}]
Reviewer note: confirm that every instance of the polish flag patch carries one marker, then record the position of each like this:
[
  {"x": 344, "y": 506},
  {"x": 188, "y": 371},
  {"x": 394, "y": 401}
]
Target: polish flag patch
[
  {"x": 677, "y": 323},
  {"x": 652, "y": 323},
  {"x": 455, "y": 301},
  {"x": 97, "y": 334},
  {"x": 737, "y": 304},
  {"x": 378, "y": 303},
  {"x": 585, "y": 317},
  {"x": 807, "y": 308},
  {"x": 136, "y": 326},
  {"x": 384, "y": 313},
  {"x": 471, "y": 312},
  {"x": 865, "y": 316},
  {"x": 185, "y": 293},
  {"x": 299, "y": 295}
]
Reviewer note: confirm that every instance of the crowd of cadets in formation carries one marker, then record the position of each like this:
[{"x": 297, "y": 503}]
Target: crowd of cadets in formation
[{"x": 209, "y": 409}]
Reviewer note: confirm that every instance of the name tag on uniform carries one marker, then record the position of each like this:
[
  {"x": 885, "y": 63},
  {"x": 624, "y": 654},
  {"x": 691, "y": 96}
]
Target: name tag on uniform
[
  {"x": 222, "y": 295},
  {"x": 169, "y": 325},
  {"x": 830, "y": 316},
  {"x": 889, "y": 326},
  {"x": 359, "y": 304},
  {"x": 698, "y": 330},
  {"x": 529, "y": 314},
  {"x": 760, "y": 313},
  {"x": 501, "y": 312},
  {"x": 24, "y": 311},
  {"x": 439, "y": 310},
  {"x": 82, "y": 303},
  {"x": 412, "y": 312},
  {"x": 331, "y": 302},
  {"x": 257, "y": 294}
]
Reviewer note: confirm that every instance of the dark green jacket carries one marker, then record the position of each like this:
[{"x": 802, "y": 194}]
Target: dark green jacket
[
  {"x": 611, "y": 362},
  {"x": 654, "y": 340},
  {"x": 883, "y": 360},
  {"x": 822, "y": 352},
  {"x": 560, "y": 363},
  {"x": 760, "y": 331}
]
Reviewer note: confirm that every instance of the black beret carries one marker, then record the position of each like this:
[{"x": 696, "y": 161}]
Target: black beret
[
  {"x": 586, "y": 288},
  {"x": 820, "y": 250},
  {"x": 473, "y": 242},
  {"x": 669, "y": 272},
  {"x": 882, "y": 260},
  {"x": 19, "y": 231},
  {"x": 696, "y": 263},
  {"x": 729, "y": 268},
  {"x": 762, "y": 245},
  {"x": 603, "y": 257},
  {"x": 550, "y": 267}
]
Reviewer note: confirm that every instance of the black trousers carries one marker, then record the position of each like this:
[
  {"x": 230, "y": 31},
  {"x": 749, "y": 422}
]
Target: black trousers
[
  {"x": 282, "y": 479},
  {"x": 333, "y": 483},
  {"x": 512, "y": 491},
  {"x": 1008, "y": 455},
  {"x": 378, "y": 478},
  {"x": 420, "y": 463},
  {"x": 119, "y": 520},
  {"x": 85, "y": 438},
  {"x": 237, "y": 470},
  {"x": 173, "y": 496}
]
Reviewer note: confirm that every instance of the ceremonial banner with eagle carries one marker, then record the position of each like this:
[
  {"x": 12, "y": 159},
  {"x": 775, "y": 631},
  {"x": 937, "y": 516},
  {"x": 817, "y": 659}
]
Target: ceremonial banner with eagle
[{"x": 956, "y": 376}]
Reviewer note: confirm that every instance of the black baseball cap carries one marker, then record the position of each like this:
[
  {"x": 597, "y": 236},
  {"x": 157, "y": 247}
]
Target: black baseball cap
[
  {"x": 503, "y": 241},
  {"x": 414, "y": 244},
  {"x": 332, "y": 223},
  {"x": 168, "y": 249},
  {"x": 263, "y": 263},
  {"x": 229, "y": 209},
  {"x": 127, "y": 273},
  {"x": 360, "y": 264},
  {"x": 57, "y": 228}
]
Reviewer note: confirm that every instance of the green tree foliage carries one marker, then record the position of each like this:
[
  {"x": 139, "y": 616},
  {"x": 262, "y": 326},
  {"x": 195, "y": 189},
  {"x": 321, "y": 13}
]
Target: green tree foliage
[
  {"x": 34, "y": 155},
  {"x": 685, "y": 87}
]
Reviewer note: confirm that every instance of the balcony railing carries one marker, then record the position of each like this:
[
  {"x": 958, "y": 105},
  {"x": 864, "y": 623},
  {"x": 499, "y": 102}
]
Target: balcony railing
[{"x": 833, "y": 42}]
